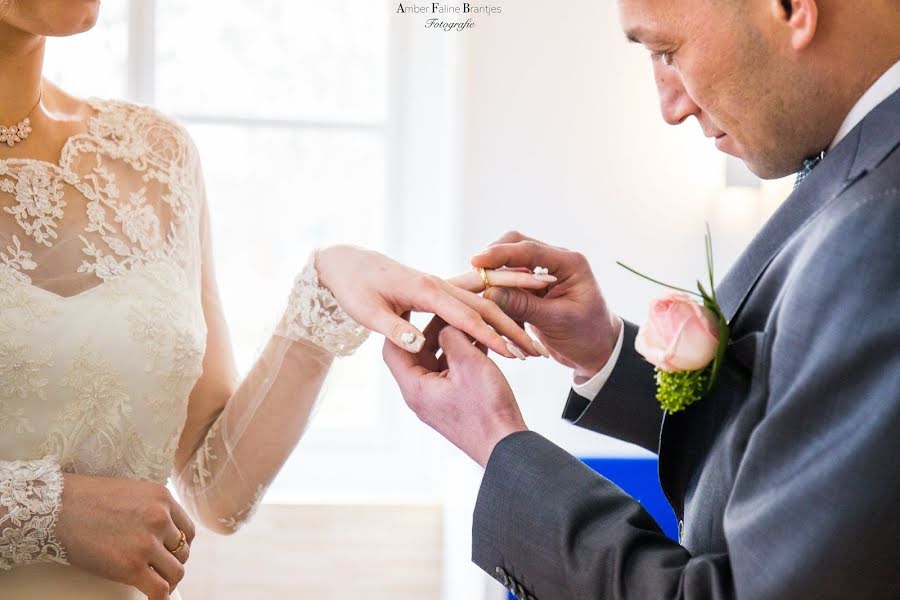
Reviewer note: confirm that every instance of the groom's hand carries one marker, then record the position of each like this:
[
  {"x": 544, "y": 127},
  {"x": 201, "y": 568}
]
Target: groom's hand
[
  {"x": 571, "y": 318},
  {"x": 461, "y": 394}
]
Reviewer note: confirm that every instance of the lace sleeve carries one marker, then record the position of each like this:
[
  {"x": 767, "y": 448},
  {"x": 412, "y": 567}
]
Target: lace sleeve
[
  {"x": 314, "y": 315},
  {"x": 30, "y": 496},
  {"x": 239, "y": 431}
]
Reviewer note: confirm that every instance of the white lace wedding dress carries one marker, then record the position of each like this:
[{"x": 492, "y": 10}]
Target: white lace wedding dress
[{"x": 107, "y": 302}]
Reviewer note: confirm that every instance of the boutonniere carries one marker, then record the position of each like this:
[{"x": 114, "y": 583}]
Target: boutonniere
[{"x": 684, "y": 339}]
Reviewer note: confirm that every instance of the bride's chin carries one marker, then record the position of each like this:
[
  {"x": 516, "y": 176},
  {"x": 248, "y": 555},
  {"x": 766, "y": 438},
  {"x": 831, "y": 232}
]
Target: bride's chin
[
  {"x": 80, "y": 23},
  {"x": 62, "y": 18}
]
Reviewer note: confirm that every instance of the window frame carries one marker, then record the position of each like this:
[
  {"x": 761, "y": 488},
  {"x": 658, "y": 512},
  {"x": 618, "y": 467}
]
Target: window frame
[{"x": 384, "y": 462}]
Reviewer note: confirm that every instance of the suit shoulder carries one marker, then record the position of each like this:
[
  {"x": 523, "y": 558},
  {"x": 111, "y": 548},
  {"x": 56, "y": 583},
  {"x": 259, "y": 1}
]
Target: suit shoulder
[
  {"x": 862, "y": 221},
  {"x": 852, "y": 248}
]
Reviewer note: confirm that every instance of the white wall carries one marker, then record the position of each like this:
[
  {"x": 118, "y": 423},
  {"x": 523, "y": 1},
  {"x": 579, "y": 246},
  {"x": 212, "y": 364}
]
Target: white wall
[{"x": 564, "y": 141}]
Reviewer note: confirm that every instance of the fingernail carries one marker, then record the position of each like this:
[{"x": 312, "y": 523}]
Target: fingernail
[
  {"x": 540, "y": 348},
  {"x": 517, "y": 352},
  {"x": 545, "y": 278},
  {"x": 412, "y": 341}
]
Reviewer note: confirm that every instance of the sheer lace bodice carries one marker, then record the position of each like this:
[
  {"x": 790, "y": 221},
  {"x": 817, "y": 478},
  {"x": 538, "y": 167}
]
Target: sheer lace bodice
[
  {"x": 109, "y": 318},
  {"x": 101, "y": 254}
]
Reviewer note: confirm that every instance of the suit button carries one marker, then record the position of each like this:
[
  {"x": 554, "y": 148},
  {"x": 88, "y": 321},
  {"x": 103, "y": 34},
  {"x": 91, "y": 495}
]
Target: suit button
[
  {"x": 680, "y": 530},
  {"x": 502, "y": 577}
]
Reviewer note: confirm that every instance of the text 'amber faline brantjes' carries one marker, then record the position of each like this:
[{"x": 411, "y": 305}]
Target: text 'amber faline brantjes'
[{"x": 463, "y": 9}]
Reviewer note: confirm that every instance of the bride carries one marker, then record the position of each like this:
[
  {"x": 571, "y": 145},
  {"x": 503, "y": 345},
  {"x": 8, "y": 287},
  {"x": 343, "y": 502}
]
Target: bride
[{"x": 116, "y": 370}]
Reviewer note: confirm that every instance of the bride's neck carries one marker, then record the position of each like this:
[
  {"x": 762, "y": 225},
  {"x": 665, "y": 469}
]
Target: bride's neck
[{"x": 21, "y": 63}]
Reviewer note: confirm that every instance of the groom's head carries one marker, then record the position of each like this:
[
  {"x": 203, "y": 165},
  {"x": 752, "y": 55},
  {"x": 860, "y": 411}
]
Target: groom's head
[{"x": 771, "y": 79}]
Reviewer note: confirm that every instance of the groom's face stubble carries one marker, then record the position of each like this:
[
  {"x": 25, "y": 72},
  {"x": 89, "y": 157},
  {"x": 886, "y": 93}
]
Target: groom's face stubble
[{"x": 723, "y": 62}]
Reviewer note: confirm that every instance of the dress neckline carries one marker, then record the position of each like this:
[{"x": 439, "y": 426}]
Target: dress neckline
[
  {"x": 61, "y": 163},
  {"x": 107, "y": 133},
  {"x": 104, "y": 283}
]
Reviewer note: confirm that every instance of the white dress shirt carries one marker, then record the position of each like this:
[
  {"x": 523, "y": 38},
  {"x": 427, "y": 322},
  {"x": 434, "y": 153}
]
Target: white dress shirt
[{"x": 884, "y": 86}]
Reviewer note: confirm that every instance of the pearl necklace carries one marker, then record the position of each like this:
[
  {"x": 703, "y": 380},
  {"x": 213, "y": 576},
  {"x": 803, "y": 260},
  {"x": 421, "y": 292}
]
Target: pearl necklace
[{"x": 16, "y": 133}]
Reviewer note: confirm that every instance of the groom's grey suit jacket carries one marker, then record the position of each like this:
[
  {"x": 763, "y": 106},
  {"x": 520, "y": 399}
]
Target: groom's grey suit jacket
[{"x": 786, "y": 478}]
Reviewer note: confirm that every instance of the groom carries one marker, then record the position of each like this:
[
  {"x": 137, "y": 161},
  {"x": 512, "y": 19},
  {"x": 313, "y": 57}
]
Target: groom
[{"x": 785, "y": 478}]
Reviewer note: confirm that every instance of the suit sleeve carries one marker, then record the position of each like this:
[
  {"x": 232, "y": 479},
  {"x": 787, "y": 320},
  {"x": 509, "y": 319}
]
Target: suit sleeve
[
  {"x": 814, "y": 511},
  {"x": 626, "y": 407}
]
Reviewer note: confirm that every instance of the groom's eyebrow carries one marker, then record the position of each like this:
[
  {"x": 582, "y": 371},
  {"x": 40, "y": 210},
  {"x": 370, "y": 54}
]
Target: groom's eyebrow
[{"x": 639, "y": 35}]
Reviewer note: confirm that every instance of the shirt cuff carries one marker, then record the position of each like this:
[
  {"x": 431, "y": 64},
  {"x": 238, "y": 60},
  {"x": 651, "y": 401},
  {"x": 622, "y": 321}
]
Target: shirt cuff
[{"x": 590, "y": 388}]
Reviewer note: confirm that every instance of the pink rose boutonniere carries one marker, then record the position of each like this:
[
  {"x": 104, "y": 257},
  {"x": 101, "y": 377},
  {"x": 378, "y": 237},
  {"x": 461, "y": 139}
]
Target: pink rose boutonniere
[{"x": 685, "y": 340}]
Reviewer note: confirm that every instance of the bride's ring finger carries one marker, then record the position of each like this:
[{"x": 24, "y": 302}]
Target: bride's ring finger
[
  {"x": 474, "y": 281},
  {"x": 178, "y": 546},
  {"x": 501, "y": 322}
]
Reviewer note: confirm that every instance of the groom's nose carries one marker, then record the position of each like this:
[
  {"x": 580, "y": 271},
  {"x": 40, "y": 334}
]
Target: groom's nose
[{"x": 675, "y": 103}]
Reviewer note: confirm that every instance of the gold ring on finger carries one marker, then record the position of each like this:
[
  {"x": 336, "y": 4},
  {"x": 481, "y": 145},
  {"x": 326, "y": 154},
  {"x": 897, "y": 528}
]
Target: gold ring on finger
[
  {"x": 181, "y": 543},
  {"x": 484, "y": 277}
]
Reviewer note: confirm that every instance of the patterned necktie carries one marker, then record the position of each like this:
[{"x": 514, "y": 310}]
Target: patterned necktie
[{"x": 808, "y": 165}]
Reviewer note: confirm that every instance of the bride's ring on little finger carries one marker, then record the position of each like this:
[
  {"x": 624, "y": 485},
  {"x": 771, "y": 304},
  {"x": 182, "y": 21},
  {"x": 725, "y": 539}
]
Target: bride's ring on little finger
[
  {"x": 484, "y": 278},
  {"x": 181, "y": 543}
]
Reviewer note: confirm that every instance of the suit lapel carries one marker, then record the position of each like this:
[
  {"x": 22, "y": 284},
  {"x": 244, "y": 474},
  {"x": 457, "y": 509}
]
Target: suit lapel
[
  {"x": 685, "y": 437},
  {"x": 863, "y": 149}
]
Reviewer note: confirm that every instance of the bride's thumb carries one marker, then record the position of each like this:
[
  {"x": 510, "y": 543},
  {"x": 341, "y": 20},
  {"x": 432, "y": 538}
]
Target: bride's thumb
[{"x": 518, "y": 305}]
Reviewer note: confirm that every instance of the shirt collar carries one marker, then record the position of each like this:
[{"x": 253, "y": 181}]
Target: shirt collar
[{"x": 887, "y": 84}]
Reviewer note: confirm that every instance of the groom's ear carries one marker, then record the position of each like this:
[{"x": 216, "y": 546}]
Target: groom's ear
[{"x": 800, "y": 16}]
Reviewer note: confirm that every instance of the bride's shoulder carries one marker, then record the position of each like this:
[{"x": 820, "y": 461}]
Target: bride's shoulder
[{"x": 142, "y": 128}]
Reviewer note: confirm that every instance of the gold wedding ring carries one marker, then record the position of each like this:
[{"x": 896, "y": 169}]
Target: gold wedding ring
[
  {"x": 484, "y": 278},
  {"x": 181, "y": 542}
]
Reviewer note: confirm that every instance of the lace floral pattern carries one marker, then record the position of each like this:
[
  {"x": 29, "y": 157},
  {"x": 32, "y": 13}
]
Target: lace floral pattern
[
  {"x": 234, "y": 522},
  {"x": 24, "y": 382},
  {"x": 203, "y": 462},
  {"x": 102, "y": 333},
  {"x": 13, "y": 295},
  {"x": 91, "y": 422},
  {"x": 314, "y": 315},
  {"x": 39, "y": 197},
  {"x": 123, "y": 229},
  {"x": 30, "y": 494}
]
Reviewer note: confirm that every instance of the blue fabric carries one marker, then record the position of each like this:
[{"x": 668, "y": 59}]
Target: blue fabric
[{"x": 640, "y": 480}]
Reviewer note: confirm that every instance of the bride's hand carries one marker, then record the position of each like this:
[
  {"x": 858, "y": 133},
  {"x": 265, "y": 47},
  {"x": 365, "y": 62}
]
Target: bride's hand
[
  {"x": 125, "y": 531},
  {"x": 376, "y": 290}
]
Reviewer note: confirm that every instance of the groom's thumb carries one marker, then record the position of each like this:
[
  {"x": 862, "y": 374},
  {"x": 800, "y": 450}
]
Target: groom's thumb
[
  {"x": 457, "y": 346},
  {"x": 520, "y": 306}
]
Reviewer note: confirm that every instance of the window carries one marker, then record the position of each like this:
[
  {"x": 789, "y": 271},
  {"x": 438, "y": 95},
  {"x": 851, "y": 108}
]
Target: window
[{"x": 295, "y": 108}]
